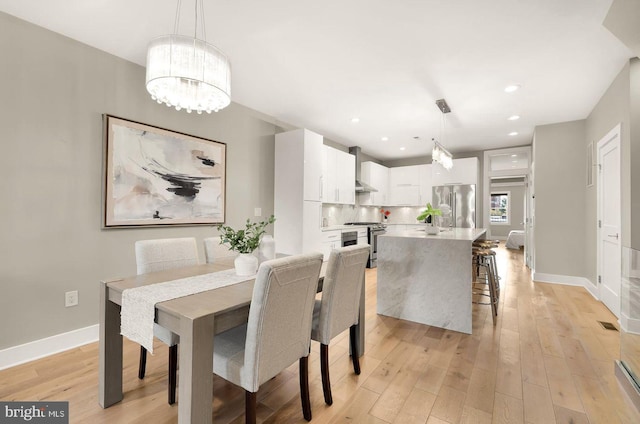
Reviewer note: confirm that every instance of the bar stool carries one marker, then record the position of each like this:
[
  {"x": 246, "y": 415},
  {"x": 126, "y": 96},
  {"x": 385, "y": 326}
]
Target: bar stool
[{"x": 485, "y": 259}]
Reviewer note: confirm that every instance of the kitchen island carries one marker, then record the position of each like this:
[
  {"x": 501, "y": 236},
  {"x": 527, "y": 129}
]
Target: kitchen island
[{"x": 427, "y": 278}]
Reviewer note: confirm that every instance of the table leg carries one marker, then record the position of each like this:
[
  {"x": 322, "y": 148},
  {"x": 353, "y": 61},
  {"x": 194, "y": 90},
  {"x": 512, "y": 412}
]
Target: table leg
[
  {"x": 360, "y": 326},
  {"x": 110, "y": 367},
  {"x": 195, "y": 387}
]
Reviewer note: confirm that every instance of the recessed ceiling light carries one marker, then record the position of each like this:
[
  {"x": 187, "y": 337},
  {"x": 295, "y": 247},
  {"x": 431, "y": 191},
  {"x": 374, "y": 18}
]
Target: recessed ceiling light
[
  {"x": 514, "y": 156},
  {"x": 385, "y": 138},
  {"x": 355, "y": 120},
  {"x": 513, "y": 117},
  {"x": 511, "y": 88},
  {"x": 513, "y": 133},
  {"x": 402, "y": 148}
]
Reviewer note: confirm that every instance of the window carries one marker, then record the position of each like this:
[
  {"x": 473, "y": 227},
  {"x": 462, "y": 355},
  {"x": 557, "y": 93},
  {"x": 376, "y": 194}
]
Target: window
[{"x": 500, "y": 203}]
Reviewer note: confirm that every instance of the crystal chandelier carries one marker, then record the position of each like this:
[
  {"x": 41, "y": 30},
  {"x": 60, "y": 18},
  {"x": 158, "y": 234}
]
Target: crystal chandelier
[
  {"x": 187, "y": 72},
  {"x": 439, "y": 154}
]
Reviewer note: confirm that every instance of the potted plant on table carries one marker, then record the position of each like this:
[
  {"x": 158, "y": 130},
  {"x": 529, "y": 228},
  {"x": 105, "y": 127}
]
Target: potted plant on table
[
  {"x": 245, "y": 242},
  {"x": 428, "y": 216}
]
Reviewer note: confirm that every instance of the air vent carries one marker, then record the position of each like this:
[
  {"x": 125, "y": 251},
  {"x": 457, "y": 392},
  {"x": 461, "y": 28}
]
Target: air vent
[{"x": 607, "y": 326}]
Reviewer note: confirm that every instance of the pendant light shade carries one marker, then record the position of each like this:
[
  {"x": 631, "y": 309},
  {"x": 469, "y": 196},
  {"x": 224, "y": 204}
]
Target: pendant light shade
[{"x": 188, "y": 73}]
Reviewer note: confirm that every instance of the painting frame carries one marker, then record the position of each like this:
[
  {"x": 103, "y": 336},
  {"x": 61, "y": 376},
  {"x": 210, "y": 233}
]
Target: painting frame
[{"x": 156, "y": 177}]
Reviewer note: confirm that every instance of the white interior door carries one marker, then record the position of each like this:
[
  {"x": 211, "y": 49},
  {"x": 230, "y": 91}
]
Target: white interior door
[{"x": 609, "y": 242}]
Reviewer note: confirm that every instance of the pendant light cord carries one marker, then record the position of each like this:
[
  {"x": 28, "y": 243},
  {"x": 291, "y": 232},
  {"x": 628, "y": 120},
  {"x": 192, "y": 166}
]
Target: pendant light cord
[{"x": 198, "y": 10}]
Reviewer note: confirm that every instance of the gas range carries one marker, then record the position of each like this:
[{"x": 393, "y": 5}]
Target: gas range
[
  {"x": 372, "y": 225},
  {"x": 374, "y": 229}
]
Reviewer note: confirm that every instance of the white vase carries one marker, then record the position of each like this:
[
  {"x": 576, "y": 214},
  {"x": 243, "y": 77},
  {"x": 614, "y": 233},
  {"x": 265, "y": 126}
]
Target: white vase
[
  {"x": 246, "y": 264},
  {"x": 267, "y": 248},
  {"x": 432, "y": 230}
]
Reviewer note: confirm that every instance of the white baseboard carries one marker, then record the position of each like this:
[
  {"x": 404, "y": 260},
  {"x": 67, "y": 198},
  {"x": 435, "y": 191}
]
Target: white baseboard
[
  {"x": 629, "y": 325},
  {"x": 37, "y": 349},
  {"x": 567, "y": 280}
]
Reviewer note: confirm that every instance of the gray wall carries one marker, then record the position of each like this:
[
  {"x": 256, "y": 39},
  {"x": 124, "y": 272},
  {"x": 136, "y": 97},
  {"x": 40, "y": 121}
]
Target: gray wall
[
  {"x": 559, "y": 199},
  {"x": 517, "y": 190},
  {"x": 54, "y": 93},
  {"x": 612, "y": 109},
  {"x": 634, "y": 160}
]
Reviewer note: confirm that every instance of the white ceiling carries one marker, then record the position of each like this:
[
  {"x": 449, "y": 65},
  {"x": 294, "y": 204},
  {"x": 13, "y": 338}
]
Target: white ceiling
[{"x": 319, "y": 64}]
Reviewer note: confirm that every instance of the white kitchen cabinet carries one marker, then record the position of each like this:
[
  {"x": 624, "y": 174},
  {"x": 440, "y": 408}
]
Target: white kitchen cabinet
[
  {"x": 330, "y": 164},
  {"x": 330, "y": 240},
  {"x": 339, "y": 176},
  {"x": 298, "y": 191},
  {"x": 347, "y": 178},
  {"x": 362, "y": 236},
  {"x": 464, "y": 171},
  {"x": 377, "y": 176},
  {"x": 426, "y": 184},
  {"x": 405, "y": 185}
]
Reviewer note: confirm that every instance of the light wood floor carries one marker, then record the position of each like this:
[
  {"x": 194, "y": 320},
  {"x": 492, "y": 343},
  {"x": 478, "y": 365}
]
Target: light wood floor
[{"x": 546, "y": 361}]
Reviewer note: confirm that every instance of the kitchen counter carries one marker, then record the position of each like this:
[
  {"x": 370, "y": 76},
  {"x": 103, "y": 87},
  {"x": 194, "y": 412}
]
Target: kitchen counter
[
  {"x": 427, "y": 278},
  {"x": 343, "y": 227}
]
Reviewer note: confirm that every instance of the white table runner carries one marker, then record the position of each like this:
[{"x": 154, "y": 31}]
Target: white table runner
[{"x": 137, "y": 312}]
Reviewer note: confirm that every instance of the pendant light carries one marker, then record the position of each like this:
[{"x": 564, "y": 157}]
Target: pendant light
[
  {"x": 439, "y": 154},
  {"x": 187, "y": 72}
]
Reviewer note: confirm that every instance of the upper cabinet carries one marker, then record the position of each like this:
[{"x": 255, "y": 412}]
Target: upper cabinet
[
  {"x": 404, "y": 186},
  {"x": 339, "y": 176},
  {"x": 464, "y": 171},
  {"x": 410, "y": 185},
  {"x": 301, "y": 151},
  {"x": 313, "y": 176},
  {"x": 377, "y": 176}
]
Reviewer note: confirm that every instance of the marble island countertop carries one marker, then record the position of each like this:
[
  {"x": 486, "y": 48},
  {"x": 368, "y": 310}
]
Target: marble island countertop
[
  {"x": 427, "y": 278},
  {"x": 468, "y": 234}
]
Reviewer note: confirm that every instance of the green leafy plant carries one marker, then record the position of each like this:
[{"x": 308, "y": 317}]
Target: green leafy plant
[
  {"x": 429, "y": 212},
  {"x": 246, "y": 240}
]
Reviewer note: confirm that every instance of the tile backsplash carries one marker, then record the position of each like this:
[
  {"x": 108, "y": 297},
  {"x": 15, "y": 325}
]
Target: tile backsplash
[{"x": 339, "y": 214}]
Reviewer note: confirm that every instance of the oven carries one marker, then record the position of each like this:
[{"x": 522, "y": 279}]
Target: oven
[
  {"x": 349, "y": 238},
  {"x": 374, "y": 229}
]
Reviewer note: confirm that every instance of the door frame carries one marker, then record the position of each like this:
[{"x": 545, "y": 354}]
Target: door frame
[{"x": 615, "y": 132}]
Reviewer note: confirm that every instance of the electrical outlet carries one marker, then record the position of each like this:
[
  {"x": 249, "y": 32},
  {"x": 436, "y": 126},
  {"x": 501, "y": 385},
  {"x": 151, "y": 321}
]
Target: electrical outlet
[
  {"x": 257, "y": 211},
  {"x": 71, "y": 298}
]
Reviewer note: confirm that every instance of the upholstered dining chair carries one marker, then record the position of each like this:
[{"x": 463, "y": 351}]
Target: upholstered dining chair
[
  {"x": 277, "y": 333},
  {"x": 160, "y": 255},
  {"x": 339, "y": 307},
  {"x": 213, "y": 250}
]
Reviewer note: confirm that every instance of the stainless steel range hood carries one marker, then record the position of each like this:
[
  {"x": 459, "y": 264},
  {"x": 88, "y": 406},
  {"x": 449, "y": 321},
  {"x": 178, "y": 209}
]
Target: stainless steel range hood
[{"x": 361, "y": 187}]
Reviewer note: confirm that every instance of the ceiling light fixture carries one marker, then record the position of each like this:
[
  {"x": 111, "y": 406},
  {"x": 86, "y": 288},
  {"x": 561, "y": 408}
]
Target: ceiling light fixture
[
  {"x": 187, "y": 72},
  {"x": 402, "y": 148},
  {"x": 355, "y": 120},
  {"x": 439, "y": 154},
  {"x": 513, "y": 118},
  {"x": 511, "y": 88},
  {"x": 385, "y": 138},
  {"x": 513, "y": 133}
]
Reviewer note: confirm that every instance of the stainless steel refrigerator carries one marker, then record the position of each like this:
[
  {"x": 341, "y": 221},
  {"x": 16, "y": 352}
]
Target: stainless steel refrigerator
[{"x": 458, "y": 205}]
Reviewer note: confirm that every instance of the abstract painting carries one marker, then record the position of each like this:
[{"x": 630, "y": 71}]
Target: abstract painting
[{"x": 159, "y": 177}]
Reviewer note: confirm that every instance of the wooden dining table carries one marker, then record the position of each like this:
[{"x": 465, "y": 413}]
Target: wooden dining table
[{"x": 196, "y": 319}]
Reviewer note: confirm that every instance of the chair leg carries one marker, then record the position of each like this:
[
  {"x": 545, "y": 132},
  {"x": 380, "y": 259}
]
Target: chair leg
[
  {"x": 173, "y": 373},
  {"x": 304, "y": 388},
  {"x": 355, "y": 355},
  {"x": 324, "y": 370},
  {"x": 250, "y": 407},
  {"x": 143, "y": 362}
]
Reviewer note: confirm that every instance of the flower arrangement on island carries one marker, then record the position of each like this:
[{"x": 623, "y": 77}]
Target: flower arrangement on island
[{"x": 385, "y": 213}]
